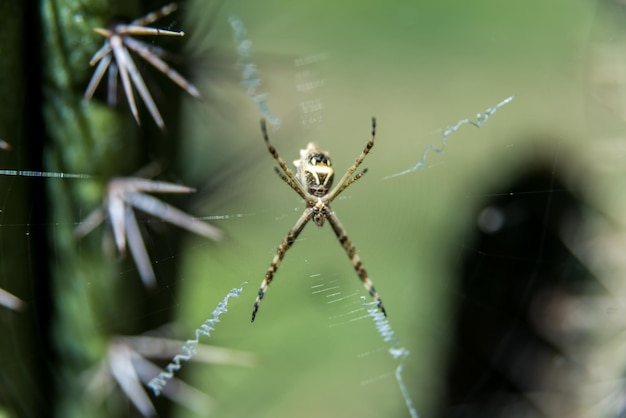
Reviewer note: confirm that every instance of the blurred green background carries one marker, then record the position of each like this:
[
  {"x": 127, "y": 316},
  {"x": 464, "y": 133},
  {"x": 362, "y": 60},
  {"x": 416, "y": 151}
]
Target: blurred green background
[{"x": 418, "y": 67}]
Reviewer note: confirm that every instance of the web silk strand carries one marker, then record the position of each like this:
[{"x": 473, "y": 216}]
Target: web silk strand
[
  {"x": 481, "y": 118},
  {"x": 189, "y": 349}
]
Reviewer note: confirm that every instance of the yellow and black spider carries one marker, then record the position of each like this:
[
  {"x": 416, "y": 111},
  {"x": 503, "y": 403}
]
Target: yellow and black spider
[{"x": 312, "y": 181}]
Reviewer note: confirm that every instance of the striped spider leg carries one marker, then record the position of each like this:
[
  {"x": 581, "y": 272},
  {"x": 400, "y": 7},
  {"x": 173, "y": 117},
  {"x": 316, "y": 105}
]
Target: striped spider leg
[
  {"x": 115, "y": 56},
  {"x": 312, "y": 181},
  {"x": 124, "y": 194}
]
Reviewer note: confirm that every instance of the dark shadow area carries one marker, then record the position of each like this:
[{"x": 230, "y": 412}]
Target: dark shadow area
[{"x": 514, "y": 283}]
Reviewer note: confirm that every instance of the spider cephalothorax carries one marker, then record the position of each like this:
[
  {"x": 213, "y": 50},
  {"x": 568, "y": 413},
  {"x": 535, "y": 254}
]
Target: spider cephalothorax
[{"x": 312, "y": 181}]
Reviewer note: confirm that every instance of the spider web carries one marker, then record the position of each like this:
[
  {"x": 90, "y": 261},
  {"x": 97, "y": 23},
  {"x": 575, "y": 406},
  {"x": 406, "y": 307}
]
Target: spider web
[{"x": 426, "y": 238}]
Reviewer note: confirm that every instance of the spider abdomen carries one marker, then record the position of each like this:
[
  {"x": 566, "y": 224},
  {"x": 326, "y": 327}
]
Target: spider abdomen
[{"x": 315, "y": 170}]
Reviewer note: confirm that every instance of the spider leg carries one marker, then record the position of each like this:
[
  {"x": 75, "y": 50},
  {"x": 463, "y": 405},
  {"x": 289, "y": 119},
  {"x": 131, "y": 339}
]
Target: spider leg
[
  {"x": 294, "y": 183},
  {"x": 347, "y": 245},
  {"x": 288, "y": 241},
  {"x": 349, "y": 182},
  {"x": 345, "y": 180},
  {"x": 287, "y": 180}
]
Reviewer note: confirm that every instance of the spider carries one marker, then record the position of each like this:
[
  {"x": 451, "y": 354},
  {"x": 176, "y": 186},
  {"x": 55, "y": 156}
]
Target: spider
[
  {"x": 312, "y": 181},
  {"x": 114, "y": 55}
]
